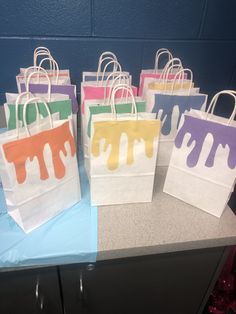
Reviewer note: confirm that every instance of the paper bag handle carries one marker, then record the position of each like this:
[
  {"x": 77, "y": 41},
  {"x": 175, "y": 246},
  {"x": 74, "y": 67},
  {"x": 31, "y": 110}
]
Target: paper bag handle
[
  {"x": 17, "y": 102},
  {"x": 159, "y": 53},
  {"x": 106, "y": 55},
  {"x": 166, "y": 75},
  {"x": 35, "y": 100},
  {"x": 129, "y": 90},
  {"x": 114, "y": 67},
  {"x": 213, "y": 102},
  {"x": 53, "y": 66},
  {"x": 40, "y": 51},
  {"x": 119, "y": 76},
  {"x": 119, "y": 69},
  {"x": 178, "y": 67},
  {"x": 27, "y": 78},
  {"x": 160, "y": 50},
  {"x": 44, "y": 54},
  {"x": 182, "y": 71},
  {"x": 169, "y": 64}
]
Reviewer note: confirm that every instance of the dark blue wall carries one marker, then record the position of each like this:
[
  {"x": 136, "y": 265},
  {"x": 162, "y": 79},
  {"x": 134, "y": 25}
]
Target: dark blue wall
[{"x": 201, "y": 32}]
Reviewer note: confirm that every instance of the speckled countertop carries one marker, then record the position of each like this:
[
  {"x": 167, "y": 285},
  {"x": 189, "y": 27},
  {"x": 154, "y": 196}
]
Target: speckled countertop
[{"x": 165, "y": 225}]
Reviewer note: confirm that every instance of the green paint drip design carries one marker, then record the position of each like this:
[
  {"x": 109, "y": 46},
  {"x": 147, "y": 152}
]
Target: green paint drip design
[{"x": 63, "y": 107}]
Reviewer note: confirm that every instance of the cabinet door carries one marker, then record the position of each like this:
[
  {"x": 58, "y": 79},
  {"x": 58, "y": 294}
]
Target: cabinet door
[
  {"x": 174, "y": 283},
  {"x": 232, "y": 200},
  {"x": 30, "y": 291}
]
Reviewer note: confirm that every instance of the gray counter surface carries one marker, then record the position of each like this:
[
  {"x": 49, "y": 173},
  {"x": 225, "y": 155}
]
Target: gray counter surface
[{"x": 165, "y": 225}]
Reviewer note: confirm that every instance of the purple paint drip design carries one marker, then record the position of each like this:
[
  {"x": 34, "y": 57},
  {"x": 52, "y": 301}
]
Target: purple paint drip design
[
  {"x": 198, "y": 129},
  {"x": 60, "y": 89}
]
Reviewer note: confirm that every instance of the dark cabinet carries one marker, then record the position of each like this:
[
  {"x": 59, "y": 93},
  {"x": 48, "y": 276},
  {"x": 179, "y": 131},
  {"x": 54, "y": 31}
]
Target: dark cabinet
[
  {"x": 175, "y": 283},
  {"x": 30, "y": 291}
]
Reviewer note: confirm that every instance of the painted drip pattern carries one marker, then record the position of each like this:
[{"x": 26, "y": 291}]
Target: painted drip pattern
[
  {"x": 135, "y": 130},
  {"x": 198, "y": 129},
  {"x": 62, "y": 107},
  {"x": 167, "y": 103},
  {"x": 18, "y": 151}
]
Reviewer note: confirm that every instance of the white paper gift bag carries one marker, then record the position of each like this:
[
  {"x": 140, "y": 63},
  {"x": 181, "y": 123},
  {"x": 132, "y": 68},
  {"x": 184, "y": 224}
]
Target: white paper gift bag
[
  {"x": 38, "y": 168},
  {"x": 123, "y": 151},
  {"x": 62, "y": 107},
  {"x": 104, "y": 58},
  {"x": 178, "y": 84},
  {"x": 101, "y": 90},
  {"x": 121, "y": 77},
  {"x": 169, "y": 107},
  {"x": 101, "y": 73},
  {"x": 123, "y": 105},
  {"x": 49, "y": 89},
  {"x": 202, "y": 168},
  {"x": 55, "y": 74},
  {"x": 11, "y": 97},
  {"x": 95, "y": 89},
  {"x": 149, "y": 75}
]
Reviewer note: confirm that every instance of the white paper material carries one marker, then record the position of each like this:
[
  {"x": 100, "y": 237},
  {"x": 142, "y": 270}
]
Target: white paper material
[
  {"x": 145, "y": 80},
  {"x": 100, "y": 74},
  {"x": 167, "y": 140},
  {"x": 205, "y": 187},
  {"x": 126, "y": 182},
  {"x": 105, "y": 93},
  {"x": 11, "y": 97},
  {"x": 150, "y": 94},
  {"x": 35, "y": 201},
  {"x": 109, "y": 83},
  {"x": 63, "y": 77},
  {"x": 97, "y": 102}
]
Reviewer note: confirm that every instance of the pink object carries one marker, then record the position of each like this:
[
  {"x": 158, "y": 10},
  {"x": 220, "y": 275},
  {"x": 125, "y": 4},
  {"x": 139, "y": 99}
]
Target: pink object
[
  {"x": 224, "y": 293},
  {"x": 155, "y": 76},
  {"x": 98, "y": 92}
]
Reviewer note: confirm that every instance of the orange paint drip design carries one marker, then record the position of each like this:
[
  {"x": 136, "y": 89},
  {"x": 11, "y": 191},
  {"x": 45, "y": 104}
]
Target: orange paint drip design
[
  {"x": 135, "y": 130},
  {"x": 19, "y": 151}
]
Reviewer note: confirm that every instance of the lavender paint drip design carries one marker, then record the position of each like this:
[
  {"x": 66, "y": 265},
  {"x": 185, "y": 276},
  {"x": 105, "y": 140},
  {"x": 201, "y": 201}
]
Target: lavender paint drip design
[
  {"x": 60, "y": 89},
  {"x": 199, "y": 129},
  {"x": 167, "y": 103}
]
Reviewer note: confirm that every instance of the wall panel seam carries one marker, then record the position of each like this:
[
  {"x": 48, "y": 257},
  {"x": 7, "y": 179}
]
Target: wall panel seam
[
  {"x": 203, "y": 18},
  {"x": 92, "y": 18},
  {"x": 117, "y": 39}
]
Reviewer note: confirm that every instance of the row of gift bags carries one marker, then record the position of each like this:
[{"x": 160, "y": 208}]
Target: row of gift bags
[
  {"x": 120, "y": 155},
  {"x": 96, "y": 91},
  {"x": 202, "y": 168},
  {"x": 38, "y": 162},
  {"x": 169, "y": 92},
  {"x": 119, "y": 138},
  {"x": 122, "y": 150},
  {"x": 123, "y": 137}
]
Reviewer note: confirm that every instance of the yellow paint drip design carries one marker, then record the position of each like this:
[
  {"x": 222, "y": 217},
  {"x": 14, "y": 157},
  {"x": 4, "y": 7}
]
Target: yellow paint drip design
[
  {"x": 135, "y": 130},
  {"x": 170, "y": 85}
]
